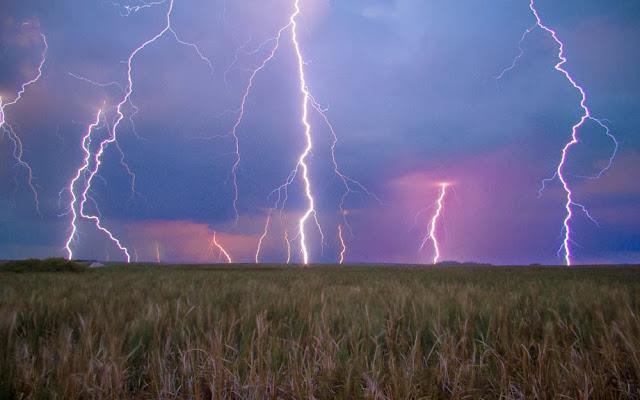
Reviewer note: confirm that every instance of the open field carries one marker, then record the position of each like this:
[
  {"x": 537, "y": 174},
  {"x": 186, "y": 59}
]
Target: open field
[{"x": 321, "y": 332}]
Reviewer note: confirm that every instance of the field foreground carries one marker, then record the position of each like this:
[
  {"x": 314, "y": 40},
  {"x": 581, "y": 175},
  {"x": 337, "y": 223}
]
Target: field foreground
[{"x": 321, "y": 332}]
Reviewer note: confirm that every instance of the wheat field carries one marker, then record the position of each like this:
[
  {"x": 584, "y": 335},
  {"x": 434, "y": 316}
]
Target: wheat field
[{"x": 142, "y": 332}]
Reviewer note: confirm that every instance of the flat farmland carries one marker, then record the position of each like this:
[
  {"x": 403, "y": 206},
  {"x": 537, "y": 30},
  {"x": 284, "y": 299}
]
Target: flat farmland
[{"x": 257, "y": 332}]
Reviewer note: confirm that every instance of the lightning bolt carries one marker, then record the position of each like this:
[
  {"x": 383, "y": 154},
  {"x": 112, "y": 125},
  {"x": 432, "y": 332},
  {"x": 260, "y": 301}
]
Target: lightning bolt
[
  {"x": 242, "y": 111},
  {"x": 570, "y": 203},
  {"x": 127, "y": 10},
  {"x": 73, "y": 205},
  {"x": 431, "y": 236},
  {"x": 350, "y": 185},
  {"x": 517, "y": 58},
  {"x": 221, "y": 250},
  {"x": 288, "y": 242},
  {"x": 302, "y": 160},
  {"x": 343, "y": 246},
  {"x": 113, "y": 131},
  {"x": 302, "y": 168},
  {"x": 302, "y": 157},
  {"x": 265, "y": 232},
  {"x": 18, "y": 148},
  {"x": 131, "y": 120},
  {"x": 97, "y": 162},
  {"x": 94, "y": 83}
]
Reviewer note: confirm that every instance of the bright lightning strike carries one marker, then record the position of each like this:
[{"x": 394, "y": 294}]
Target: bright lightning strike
[
  {"x": 97, "y": 161},
  {"x": 73, "y": 205},
  {"x": 288, "y": 242},
  {"x": 126, "y": 99},
  {"x": 302, "y": 168},
  {"x": 301, "y": 165},
  {"x": 265, "y": 232},
  {"x": 343, "y": 246},
  {"x": 432, "y": 236},
  {"x": 302, "y": 161},
  {"x": 221, "y": 250},
  {"x": 586, "y": 116},
  {"x": 18, "y": 149}
]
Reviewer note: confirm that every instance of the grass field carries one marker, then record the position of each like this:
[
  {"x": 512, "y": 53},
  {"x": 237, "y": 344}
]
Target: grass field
[{"x": 321, "y": 332}]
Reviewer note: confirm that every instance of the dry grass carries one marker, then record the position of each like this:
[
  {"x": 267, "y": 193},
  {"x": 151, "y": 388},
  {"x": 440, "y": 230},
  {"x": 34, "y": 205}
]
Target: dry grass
[{"x": 321, "y": 333}]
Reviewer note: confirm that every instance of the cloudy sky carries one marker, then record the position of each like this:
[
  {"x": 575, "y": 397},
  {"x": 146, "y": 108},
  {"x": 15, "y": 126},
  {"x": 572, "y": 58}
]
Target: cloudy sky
[{"x": 408, "y": 85}]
